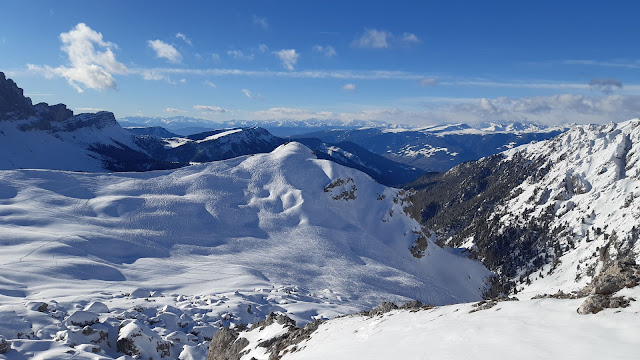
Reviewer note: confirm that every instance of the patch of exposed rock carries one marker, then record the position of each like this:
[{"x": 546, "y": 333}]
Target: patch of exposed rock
[
  {"x": 488, "y": 304},
  {"x": 4, "y": 344},
  {"x": 614, "y": 276},
  {"x": 228, "y": 344},
  {"x": 597, "y": 302}
]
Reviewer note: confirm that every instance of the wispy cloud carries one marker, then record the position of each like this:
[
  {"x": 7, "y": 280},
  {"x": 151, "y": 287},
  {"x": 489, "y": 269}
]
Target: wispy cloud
[
  {"x": 373, "y": 39},
  {"x": 263, "y": 48},
  {"x": 383, "y": 39},
  {"x": 237, "y": 54},
  {"x": 164, "y": 50},
  {"x": 628, "y": 64},
  {"x": 210, "y": 84},
  {"x": 88, "y": 109},
  {"x": 336, "y": 74},
  {"x": 288, "y": 57},
  {"x": 184, "y": 38},
  {"x": 152, "y": 75},
  {"x": 247, "y": 93},
  {"x": 349, "y": 87},
  {"x": 260, "y": 21},
  {"x": 91, "y": 58},
  {"x": 409, "y": 38},
  {"x": 174, "y": 110},
  {"x": 428, "y": 82},
  {"x": 326, "y": 50},
  {"x": 209, "y": 108}
]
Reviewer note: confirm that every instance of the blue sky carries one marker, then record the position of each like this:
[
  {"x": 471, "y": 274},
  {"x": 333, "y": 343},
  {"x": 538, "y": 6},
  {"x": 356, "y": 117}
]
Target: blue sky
[{"x": 414, "y": 62}]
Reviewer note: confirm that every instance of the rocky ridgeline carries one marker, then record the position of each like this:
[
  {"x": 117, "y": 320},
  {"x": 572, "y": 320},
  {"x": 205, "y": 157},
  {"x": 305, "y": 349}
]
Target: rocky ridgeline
[{"x": 14, "y": 106}]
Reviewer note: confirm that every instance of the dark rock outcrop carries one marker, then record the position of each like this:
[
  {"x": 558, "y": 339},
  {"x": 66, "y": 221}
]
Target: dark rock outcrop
[
  {"x": 597, "y": 302},
  {"x": 4, "y": 345},
  {"x": 13, "y": 103},
  {"x": 226, "y": 345}
]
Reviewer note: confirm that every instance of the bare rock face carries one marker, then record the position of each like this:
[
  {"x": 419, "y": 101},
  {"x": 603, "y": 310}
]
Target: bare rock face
[
  {"x": 597, "y": 302},
  {"x": 13, "y": 103},
  {"x": 4, "y": 345},
  {"x": 225, "y": 345},
  {"x": 228, "y": 344},
  {"x": 614, "y": 277},
  {"x": 384, "y": 307}
]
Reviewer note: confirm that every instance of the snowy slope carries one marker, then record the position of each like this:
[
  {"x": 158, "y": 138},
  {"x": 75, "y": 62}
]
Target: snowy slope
[
  {"x": 533, "y": 329},
  {"x": 219, "y": 244},
  {"x": 591, "y": 193},
  {"x": 549, "y": 216}
]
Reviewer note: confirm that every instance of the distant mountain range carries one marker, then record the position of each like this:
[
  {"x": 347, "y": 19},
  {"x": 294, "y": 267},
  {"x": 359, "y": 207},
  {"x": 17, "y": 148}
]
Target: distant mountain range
[
  {"x": 439, "y": 148},
  {"x": 184, "y": 125}
]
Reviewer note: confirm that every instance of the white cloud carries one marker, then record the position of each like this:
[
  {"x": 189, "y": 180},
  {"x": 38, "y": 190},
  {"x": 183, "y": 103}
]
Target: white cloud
[
  {"x": 237, "y": 54},
  {"x": 152, "y": 75},
  {"x": 428, "y": 82},
  {"x": 209, "y": 108},
  {"x": 247, "y": 93},
  {"x": 263, "y": 48},
  {"x": 262, "y": 22},
  {"x": 87, "y": 110},
  {"x": 183, "y": 81},
  {"x": 183, "y": 37},
  {"x": 382, "y": 39},
  {"x": 629, "y": 65},
  {"x": 173, "y": 110},
  {"x": 288, "y": 57},
  {"x": 327, "y": 50},
  {"x": 373, "y": 39},
  {"x": 164, "y": 50},
  {"x": 349, "y": 87},
  {"x": 553, "y": 110},
  {"x": 209, "y": 83},
  {"x": 215, "y": 57},
  {"x": 409, "y": 38},
  {"x": 91, "y": 58}
]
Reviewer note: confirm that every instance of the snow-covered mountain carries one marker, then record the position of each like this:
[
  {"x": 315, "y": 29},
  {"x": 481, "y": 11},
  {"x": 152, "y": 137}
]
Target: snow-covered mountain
[
  {"x": 231, "y": 142},
  {"x": 51, "y": 137},
  {"x": 551, "y": 216},
  {"x": 440, "y": 147},
  {"x": 557, "y": 221},
  {"x": 101, "y": 265},
  {"x": 184, "y": 125}
]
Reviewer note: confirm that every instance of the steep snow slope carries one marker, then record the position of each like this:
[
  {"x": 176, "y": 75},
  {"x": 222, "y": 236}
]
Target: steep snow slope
[
  {"x": 588, "y": 197},
  {"x": 220, "y": 244},
  {"x": 549, "y": 216}
]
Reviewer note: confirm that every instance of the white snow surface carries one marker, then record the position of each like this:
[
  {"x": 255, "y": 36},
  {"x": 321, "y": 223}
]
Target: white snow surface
[
  {"x": 593, "y": 189},
  {"x": 219, "y": 135},
  {"x": 186, "y": 251},
  {"x": 57, "y": 148},
  {"x": 531, "y": 329}
]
